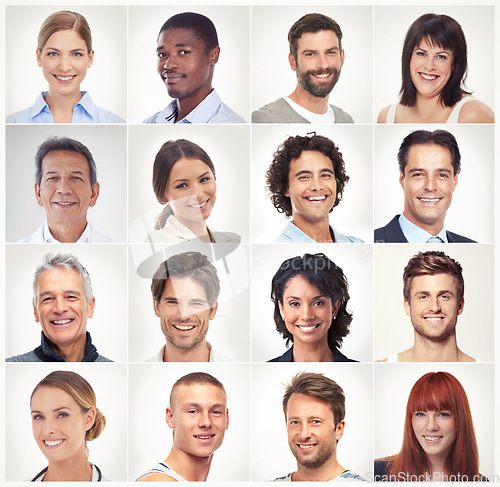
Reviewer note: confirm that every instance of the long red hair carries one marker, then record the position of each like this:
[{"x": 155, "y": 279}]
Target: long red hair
[{"x": 438, "y": 391}]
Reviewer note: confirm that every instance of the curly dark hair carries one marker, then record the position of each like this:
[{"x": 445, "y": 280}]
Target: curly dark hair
[
  {"x": 277, "y": 174},
  {"x": 318, "y": 270}
]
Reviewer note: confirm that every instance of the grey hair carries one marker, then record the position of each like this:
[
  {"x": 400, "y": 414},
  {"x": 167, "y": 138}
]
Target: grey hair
[{"x": 65, "y": 261}]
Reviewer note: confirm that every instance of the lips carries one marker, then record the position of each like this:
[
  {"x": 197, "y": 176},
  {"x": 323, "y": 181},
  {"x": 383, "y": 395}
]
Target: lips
[
  {"x": 62, "y": 322},
  {"x": 199, "y": 206},
  {"x": 52, "y": 443},
  {"x": 65, "y": 79},
  {"x": 308, "y": 328},
  {"x": 172, "y": 77},
  {"x": 184, "y": 327},
  {"x": 428, "y": 77},
  {"x": 306, "y": 447},
  {"x": 432, "y": 439},
  {"x": 64, "y": 204}
]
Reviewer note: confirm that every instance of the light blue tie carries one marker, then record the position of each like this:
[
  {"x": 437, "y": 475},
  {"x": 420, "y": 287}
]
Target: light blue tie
[{"x": 435, "y": 239}]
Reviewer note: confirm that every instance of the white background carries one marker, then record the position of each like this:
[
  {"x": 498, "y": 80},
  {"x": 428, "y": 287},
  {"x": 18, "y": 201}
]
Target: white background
[
  {"x": 108, "y": 146},
  {"x": 227, "y": 147},
  {"x": 354, "y": 260},
  {"x": 107, "y": 266},
  {"x": 475, "y": 326},
  {"x": 109, "y": 381},
  {"x": 150, "y": 439},
  {"x": 148, "y": 94},
  {"x": 272, "y": 76},
  {"x": 105, "y": 80},
  {"x": 352, "y": 216},
  {"x": 391, "y": 25},
  {"x": 472, "y": 209}
]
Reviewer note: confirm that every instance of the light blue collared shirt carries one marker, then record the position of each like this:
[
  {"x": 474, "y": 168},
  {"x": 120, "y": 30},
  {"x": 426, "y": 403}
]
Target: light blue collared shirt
[
  {"x": 293, "y": 234},
  {"x": 83, "y": 112},
  {"x": 415, "y": 234},
  {"x": 210, "y": 110}
]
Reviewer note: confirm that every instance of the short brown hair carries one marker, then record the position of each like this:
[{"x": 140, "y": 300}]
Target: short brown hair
[
  {"x": 196, "y": 378},
  {"x": 320, "y": 387},
  {"x": 431, "y": 263}
]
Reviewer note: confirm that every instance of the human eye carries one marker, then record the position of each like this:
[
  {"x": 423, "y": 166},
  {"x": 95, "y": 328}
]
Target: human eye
[
  {"x": 181, "y": 186},
  {"x": 420, "y": 414},
  {"x": 52, "y": 179},
  {"x": 51, "y": 54},
  {"x": 217, "y": 412},
  {"x": 443, "y": 175},
  {"x": 417, "y": 174},
  {"x": 171, "y": 302},
  {"x": 445, "y": 414},
  {"x": 294, "y": 304},
  {"x": 293, "y": 422},
  {"x": 319, "y": 302},
  {"x": 205, "y": 179},
  {"x": 76, "y": 178},
  {"x": 71, "y": 297},
  {"x": 445, "y": 296},
  {"x": 161, "y": 54},
  {"x": 184, "y": 52},
  {"x": 63, "y": 415},
  {"x": 36, "y": 417},
  {"x": 303, "y": 177},
  {"x": 316, "y": 421},
  {"x": 47, "y": 299}
]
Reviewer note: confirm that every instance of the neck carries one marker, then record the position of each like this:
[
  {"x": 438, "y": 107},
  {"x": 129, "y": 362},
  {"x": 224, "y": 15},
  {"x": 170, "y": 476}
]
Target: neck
[
  {"x": 328, "y": 471},
  {"x": 312, "y": 352},
  {"x": 186, "y": 105},
  {"x": 199, "y": 353},
  {"x": 198, "y": 227},
  {"x": 67, "y": 232},
  {"x": 74, "y": 469},
  {"x": 73, "y": 352},
  {"x": 318, "y": 230},
  {"x": 189, "y": 467},
  {"x": 62, "y": 106},
  {"x": 437, "y": 465},
  {"x": 425, "y": 350},
  {"x": 430, "y": 109},
  {"x": 433, "y": 228},
  {"x": 315, "y": 104}
]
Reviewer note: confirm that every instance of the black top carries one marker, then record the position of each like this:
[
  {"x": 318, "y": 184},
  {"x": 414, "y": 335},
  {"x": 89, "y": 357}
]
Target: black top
[{"x": 338, "y": 356}]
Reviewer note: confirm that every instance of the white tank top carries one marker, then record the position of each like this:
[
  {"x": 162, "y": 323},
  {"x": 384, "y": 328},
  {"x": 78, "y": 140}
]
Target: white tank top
[{"x": 164, "y": 468}]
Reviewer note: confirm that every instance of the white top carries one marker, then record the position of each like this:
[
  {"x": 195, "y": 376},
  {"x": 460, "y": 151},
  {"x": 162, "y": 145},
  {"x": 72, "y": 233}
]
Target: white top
[
  {"x": 328, "y": 117},
  {"x": 174, "y": 231},
  {"x": 343, "y": 477},
  {"x": 43, "y": 235},
  {"x": 162, "y": 467},
  {"x": 214, "y": 357},
  {"x": 453, "y": 118}
]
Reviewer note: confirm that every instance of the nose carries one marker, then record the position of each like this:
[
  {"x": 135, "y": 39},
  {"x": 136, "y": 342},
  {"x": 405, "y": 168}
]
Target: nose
[
  {"x": 434, "y": 304},
  {"x": 64, "y": 186},
  {"x": 48, "y": 427},
  {"x": 305, "y": 432},
  {"x": 204, "y": 420},
  {"x": 316, "y": 182},
  {"x": 431, "y": 422},
  {"x": 306, "y": 312},
  {"x": 430, "y": 63},
  {"x": 322, "y": 61},
  {"x": 64, "y": 63},
  {"x": 430, "y": 183},
  {"x": 60, "y": 304},
  {"x": 169, "y": 63}
]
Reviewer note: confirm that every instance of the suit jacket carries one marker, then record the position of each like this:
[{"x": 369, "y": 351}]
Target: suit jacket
[
  {"x": 338, "y": 356},
  {"x": 392, "y": 233}
]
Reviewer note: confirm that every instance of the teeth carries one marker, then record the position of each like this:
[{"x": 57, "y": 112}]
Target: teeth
[
  {"x": 428, "y": 77},
  {"x": 316, "y": 198},
  {"x": 198, "y": 206},
  {"x": 53, "y": 442},
  {"x": 308, "y": 328},
  {"x": 429, "y": 200},
  {"x": 325, "y": 75},
  {"x": 61, "y": 322},
  {"x": 64, "y": 204},
  {"x": 433, "y": 319},
  {"x": 432, "y": 438},
  {"x": 204, "y": 437},
  {"x": 184, "y": 327},
  {"x": 65, "y": 78},
  {"x": 306, "y": 447}
]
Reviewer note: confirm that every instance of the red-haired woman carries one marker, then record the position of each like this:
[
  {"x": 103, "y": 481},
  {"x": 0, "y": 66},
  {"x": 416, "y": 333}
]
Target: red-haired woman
[{"x": 439, "y": 443}]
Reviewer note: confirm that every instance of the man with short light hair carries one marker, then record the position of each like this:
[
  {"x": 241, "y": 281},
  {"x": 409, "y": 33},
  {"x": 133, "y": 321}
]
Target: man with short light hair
[
  {"x": 66, "y": 187},
  {"x": 433, "y": 299},
  {"x": 316, "y": 56},
  {"x": 199, "y": 418},
  {"x": 62, "y": 302},
  {"x": 185, "y": 289},
  {"x": 314, "y": 407}
]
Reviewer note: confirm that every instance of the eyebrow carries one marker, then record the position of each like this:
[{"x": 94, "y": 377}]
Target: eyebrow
[
  {"x": 186, "y": 179},
  {"x": 306, "y": 171},
  {"x": 334, "y": 48},
  {"x": 55, "y": 410},
  {"x": 180, "y": 44},
  {"x": 196, "y": 405},
  {"x": 425, "y": 50},
  {"x": 315, "y": 297},
  {"x": 421, "y": 169},
  {"x": 69, "y": 291},
  {"x": 57, "y": 172},
  {"x": 442, "y": 291}
]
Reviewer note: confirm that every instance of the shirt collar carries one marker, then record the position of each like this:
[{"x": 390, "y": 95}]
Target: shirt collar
[
  {"x": 45, "y": 353},
  {"x": 85, "y": 237},
  {"x": 86, "y": 103},
  {"x": 415, "y": 234},
  {"x": 202, "y": 113}
]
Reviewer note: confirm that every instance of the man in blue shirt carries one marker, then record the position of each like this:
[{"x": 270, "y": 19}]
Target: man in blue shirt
[
  {"x": 188, "y": 49},
  {"x": 429, "y": 163}
]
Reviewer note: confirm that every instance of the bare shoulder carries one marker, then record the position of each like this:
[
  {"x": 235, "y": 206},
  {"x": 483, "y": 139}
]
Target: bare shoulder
[
  {"x": 155, "y": 477},
  {"x": 476, "y": 111},
  {"x": 383, "y": 360},
  {"x": 382, "y": 116}
]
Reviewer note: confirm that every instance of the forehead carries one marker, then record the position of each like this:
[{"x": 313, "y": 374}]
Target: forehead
[
  {"x": 429, "y": 155},
  {"x": 299, "y": 285},
  {"x": 184, "y": 287},
  {"x": 48, "y": 397},
  {"x": 65, "y": 38},
  {"x": 303, "y": 405},
  {"x": 64, "y": 160},
  {"x": 171, "y": 38},
  {"x": 434, "y": 283},
  {"x": 203, "y": 394},
  {"x": 188, "y": 168},
  {"x": 324, "y": 39},
  {"x": 59, "y": 279},
  {"x": 310, "y": 160}
]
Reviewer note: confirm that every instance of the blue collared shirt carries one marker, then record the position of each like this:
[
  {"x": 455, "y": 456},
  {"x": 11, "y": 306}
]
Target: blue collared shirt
[
  {"x": 415, "y": 234},
  {"x": 210, "y": 110},
  {"x": 293, "y": 234},
  {"x": 83, "y": 112}
]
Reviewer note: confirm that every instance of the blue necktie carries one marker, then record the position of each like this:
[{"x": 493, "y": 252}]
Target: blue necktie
[{"x": 435, "y": 239}]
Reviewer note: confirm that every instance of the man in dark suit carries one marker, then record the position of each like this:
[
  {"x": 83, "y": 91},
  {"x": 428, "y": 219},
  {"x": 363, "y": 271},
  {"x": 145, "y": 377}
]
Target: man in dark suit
[{"x": 429, "y": 163}]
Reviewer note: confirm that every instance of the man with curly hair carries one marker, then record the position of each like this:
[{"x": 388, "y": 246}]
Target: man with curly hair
[{"x": 306, "y": 181}]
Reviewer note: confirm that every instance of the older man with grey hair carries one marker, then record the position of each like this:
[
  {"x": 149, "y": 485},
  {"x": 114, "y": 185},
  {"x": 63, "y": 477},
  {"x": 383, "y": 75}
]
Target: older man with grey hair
[{"x": 62, "y": 302}]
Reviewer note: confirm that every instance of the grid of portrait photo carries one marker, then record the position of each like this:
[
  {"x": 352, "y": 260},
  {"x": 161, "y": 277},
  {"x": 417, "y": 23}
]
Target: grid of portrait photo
[{"x": 246, "y": 243}]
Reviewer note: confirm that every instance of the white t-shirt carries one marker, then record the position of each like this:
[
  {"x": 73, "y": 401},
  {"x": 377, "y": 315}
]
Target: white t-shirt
[{"x": 328, "y": 117}]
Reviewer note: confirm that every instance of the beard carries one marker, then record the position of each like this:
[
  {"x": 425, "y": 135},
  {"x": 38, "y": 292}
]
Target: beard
[
  {"x": 443, "y": 337},
  {"x": 185, "y": 344},
  {"x": 306, "y": 80},
  {"x": 321, "y": 456}
]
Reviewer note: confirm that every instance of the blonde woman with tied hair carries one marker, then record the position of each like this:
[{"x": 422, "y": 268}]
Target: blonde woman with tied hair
[
  {"x": 64, "y": 417},
  {"x": 64, "y": 53}
]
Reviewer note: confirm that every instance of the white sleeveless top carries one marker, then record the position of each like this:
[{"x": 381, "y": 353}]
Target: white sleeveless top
[
  {"x": 164, "y": 468},
  {"x": 453, "y": 118}
]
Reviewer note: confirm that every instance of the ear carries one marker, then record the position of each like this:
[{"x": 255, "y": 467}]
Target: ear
[
  {"x": 342, "y": 57},
  {"x": 402, "y": 180},
  {"x": 39, "y": 57},
  {"x": 94, "y": 194},
  {"x": 169, "y": 417},
  {"x": 461, "y": 306},
  {"x": 407, "y": 307},
  {"x": 214, "y": 55},
  {"x": 455, "y": 181},
  {"x": 213, "y": 310},
  {"x": 90, "y": 419},
  {"x": 287, "y": 194},
  {"x": 155, "y": 304},
  {"x": 335, "y": 309},
  {"x": 91, "y": 58},
  {"x": 339, "y": 430},
  {"x": 35, "y": 312},
  {"x": 280, "y": 306},
  {"x": 37, "y": 195},
  {"x": 91, "y": 307},
  {"x": 227, "y": 418},
  {"x": 292, "y": 62}
]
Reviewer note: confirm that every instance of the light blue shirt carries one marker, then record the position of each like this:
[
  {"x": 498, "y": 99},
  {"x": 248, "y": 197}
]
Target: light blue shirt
[
  {"x": 210, "y": 110},
  {"x": 415, "y": 234},
  {"x": 83, "y": 112},
  {"x": 293, "y": 234}
]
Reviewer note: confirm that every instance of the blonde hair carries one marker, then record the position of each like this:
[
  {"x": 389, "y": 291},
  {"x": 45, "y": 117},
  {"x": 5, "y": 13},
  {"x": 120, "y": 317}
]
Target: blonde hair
[
  {"x": 62, "y": 20},
  {"x": 81, "y": 391}
]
